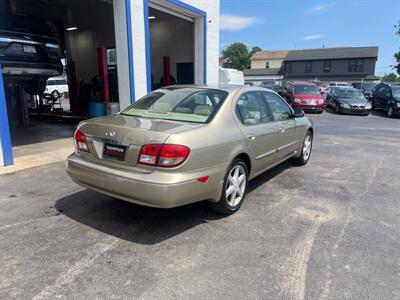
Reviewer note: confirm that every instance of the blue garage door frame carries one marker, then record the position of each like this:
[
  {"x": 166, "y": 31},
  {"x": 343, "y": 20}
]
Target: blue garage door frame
[
  {"x": 187, "y": 7},
  {"x": 4, "y": 126}
]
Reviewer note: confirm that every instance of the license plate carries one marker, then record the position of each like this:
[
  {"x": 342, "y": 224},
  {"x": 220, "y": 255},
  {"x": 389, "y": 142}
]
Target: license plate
[
  {"x": 29, "y": 49},
  {"x": 312, "y": 102},
  {"x": 116, "y": 152}
]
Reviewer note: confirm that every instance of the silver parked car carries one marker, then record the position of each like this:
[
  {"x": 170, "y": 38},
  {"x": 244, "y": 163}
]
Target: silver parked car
[{"x": 183, "y": 144}]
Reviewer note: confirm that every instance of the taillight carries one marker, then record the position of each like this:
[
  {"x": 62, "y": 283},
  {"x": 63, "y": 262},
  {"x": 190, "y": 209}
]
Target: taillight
[
  {"x": 163, "y": 155},
  {"x": 80, "y": 141},
  {"x": 149, "y": 154}
]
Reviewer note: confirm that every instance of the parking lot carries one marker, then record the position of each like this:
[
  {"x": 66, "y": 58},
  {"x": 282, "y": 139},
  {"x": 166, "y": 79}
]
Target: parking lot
[{"x": 329, "y": 230}]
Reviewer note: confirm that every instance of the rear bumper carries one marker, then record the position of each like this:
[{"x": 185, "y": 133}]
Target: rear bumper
[
  {"x": 154, "y": 189},
  {"x": 13, "y": 68}
]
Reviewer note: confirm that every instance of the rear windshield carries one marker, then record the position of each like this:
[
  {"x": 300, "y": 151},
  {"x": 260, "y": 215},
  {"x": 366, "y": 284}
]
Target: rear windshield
[
  {"x": 353, "y": 94},
  {"x": 182, "y": 104},
  {"x": 23, "y": 24},
  {"x": 305, "y": 89}
]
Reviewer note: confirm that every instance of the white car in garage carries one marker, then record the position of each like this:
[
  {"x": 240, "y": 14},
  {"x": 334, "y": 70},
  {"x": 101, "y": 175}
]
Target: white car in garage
[{"x": 56, "y": 86}]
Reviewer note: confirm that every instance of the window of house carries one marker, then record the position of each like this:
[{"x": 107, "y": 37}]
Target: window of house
[
  {"x": 308, "y": 67},
  {"x": 327, "y": 66},
  {"x": 267, "y": 65},
  {"x": 288, "y": 67},
  {"x": 356, "y": 65}
]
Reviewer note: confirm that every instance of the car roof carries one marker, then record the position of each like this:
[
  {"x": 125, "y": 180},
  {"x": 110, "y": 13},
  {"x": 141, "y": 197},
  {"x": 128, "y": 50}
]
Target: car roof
[
  {"x": 346, "y": 88},
  {"x": 230, "y": 88},
  {"x": 301, "y": 82}
]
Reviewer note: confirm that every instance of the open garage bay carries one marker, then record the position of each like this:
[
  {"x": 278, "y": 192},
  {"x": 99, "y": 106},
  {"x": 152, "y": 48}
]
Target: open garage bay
[{"x": 329, "y": 230}]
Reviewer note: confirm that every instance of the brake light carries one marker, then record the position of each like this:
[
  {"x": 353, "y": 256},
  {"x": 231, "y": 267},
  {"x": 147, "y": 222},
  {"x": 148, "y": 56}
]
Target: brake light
[
  {"x": 149, "y": 154},
  {"x": 80, "y": 141},
  {"x": 163, "y": 155}
]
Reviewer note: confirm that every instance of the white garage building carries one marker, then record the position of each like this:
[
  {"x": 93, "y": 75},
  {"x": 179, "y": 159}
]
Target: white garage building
[{"x": 148, "y": 36}]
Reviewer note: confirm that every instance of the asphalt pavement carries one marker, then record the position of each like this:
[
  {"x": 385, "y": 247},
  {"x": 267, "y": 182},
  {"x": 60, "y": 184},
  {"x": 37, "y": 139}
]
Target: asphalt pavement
[{"x": 328, "y": 230}]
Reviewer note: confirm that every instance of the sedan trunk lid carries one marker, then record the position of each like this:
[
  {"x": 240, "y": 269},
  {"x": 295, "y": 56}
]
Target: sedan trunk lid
[{"x": 116, "y": 141}]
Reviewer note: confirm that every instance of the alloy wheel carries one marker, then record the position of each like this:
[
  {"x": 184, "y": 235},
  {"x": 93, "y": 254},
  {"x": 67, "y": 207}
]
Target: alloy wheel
[
  {"x": 235, "y": 185},
  {"x": 307, "y": 147}
]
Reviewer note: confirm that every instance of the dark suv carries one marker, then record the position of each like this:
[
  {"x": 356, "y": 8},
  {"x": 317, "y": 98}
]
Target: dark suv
[
  {"x": 28, "y": 51},
  {"x": 386, "y": 97}
]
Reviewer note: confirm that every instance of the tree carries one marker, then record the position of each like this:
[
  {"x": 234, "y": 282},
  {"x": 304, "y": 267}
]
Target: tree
[
  {"x": 397, "y": 55},
  {"x": 391, "y": 77},
  {"x": 237, "y": 56},
  {"x": 254, "y": 50}
]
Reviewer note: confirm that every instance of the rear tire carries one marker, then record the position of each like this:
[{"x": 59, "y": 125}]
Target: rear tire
[
  {"x": 305, "y": 150},
  {"x": 234, "y": 188}
]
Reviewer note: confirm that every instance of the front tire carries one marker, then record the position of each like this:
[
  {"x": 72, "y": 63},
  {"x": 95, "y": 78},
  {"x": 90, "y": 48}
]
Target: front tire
[
  {"x": 337, "y": 109},
  {"x": 390, "y": 112},
  {"x": 305, "y": 150},
  {"x": 234, "y": 190}
]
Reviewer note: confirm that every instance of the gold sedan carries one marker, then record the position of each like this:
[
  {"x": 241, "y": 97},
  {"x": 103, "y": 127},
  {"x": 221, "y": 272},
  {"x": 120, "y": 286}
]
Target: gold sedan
[{"x": 182, "y": 144}]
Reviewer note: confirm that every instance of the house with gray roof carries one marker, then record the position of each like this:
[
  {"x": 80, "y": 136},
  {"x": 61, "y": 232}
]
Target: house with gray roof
[
  {"x": 331, "y": 64},
  {"x": 323, "y": 64}
]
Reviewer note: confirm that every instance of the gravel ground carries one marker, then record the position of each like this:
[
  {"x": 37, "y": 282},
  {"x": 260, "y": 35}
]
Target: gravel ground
[{"x": 329, "y": 230}]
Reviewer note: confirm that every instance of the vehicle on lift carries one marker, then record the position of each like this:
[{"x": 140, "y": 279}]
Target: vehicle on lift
[
  {"x": 386, "y": 97},
  {"x": 183, "y": 144},
  {"x": 348, "y": 100},
  {"x": 28, "y": 51}
]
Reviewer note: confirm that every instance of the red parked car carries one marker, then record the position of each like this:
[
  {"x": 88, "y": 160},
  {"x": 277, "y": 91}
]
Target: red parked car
[{"x": 304, "y": 95}]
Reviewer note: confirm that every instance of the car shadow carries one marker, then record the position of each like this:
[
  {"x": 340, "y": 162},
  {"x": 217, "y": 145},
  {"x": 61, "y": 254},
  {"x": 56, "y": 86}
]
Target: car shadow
[
  {"x": 134, "y": 223},
  {"x": 268, "y": 175},
  {"x": 140, "y": 224}
]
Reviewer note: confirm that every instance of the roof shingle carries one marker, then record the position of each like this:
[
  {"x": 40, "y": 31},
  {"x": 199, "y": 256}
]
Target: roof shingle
[{"x": 332, "y": 53}]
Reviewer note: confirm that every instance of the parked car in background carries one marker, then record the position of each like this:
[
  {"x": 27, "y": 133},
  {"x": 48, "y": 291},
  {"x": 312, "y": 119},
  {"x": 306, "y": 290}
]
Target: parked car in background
[
  {"x": 365, "y": 87},
  {"x": 304, "y": 95},
  {"x": 339, "y": 84},
  {"x": 327, "y": 91},
  {"x": 348, "y": 100},
  {"x": 275, "y": 87},
  {"x": 268, "y": 81},
  {"x": 28, "y": 51},
  {"x": 56, "y": 86},
  {"x": 249, "y": 83},
  {"x": 170, "y": 148},
  {"x": 386, "y": 97}
]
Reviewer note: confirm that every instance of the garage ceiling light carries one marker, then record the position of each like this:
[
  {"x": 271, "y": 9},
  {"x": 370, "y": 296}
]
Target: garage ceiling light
[
  {"x": 71, "y": 28},
  {"x": 152, "y": 17}
]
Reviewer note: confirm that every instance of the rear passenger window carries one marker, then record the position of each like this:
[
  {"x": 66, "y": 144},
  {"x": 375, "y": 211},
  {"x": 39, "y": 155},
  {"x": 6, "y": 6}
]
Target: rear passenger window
[
  {"x": 251, "y": 110},
  {"x": 280, "y": 109}
]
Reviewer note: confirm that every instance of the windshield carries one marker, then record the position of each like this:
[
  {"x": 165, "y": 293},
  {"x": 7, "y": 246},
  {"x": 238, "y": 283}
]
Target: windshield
[
  {"x": 396, "y": 92},
  {"x": 305, "y": 89},
  {"x": 367, "y": 87},
  {"x": 353, "y": 94},
  {"x": 182, "y": 104}
]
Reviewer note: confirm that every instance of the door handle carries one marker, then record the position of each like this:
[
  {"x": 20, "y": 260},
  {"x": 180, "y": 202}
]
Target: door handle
[
  {"x": 282, "y": 130},
  {"x": 251, "y": 137}
]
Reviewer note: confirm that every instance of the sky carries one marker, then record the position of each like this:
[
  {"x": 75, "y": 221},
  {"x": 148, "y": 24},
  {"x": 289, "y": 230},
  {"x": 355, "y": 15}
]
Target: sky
[{"x": 301, "y": 24}]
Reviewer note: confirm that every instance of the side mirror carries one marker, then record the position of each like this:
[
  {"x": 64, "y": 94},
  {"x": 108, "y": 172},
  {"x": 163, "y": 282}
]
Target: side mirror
[{"x": 298, "y": 113}]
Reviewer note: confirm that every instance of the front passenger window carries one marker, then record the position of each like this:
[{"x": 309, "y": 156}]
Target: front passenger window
[{"x": 280, "y": 109}]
